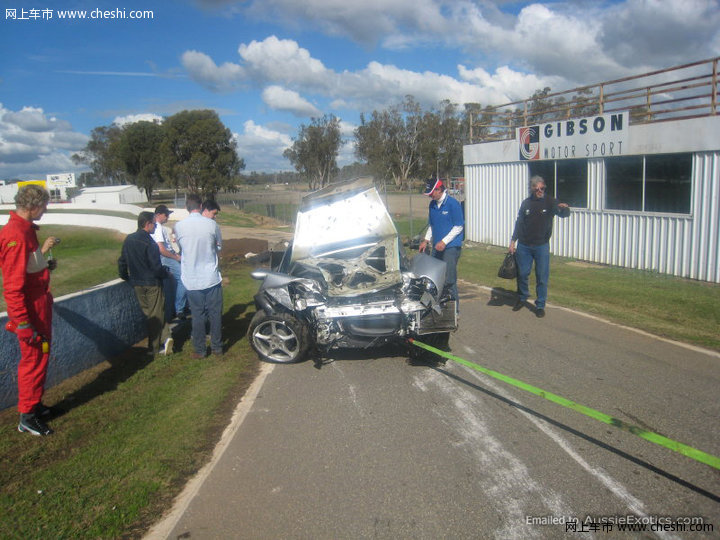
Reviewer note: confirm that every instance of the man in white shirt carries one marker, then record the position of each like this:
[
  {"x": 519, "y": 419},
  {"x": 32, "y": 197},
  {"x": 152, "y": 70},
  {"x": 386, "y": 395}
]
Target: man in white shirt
[
  {"x": 175, "y": 297},
  {"x": 200, "y": 241}
]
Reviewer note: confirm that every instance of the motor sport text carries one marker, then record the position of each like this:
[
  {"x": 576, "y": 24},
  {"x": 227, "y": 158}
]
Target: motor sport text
[
  {"x": 590, "y": 150},
  {"x": 571, "y": 129}
]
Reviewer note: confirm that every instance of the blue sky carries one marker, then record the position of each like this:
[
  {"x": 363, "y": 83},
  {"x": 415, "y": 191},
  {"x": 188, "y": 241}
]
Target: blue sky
[{"x": 268, "y": 66}]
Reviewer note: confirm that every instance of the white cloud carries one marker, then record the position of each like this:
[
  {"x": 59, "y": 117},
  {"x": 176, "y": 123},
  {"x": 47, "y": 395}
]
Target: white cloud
[
  {"x": 262, "y": 148},
  {"x": 284, "y": 63},
  {"x": 505, "y": 84},
  {"x": 346, "y": 155},
  {"x": 572, "y": 43},
  {"x": 132, "y": 118},
  {"x": 364, "y": 22},
  {"x": 205, "y": 71},
  {"x": 661, "y": 33},
  {"x": 33, "y": 144},
  {"x": 347, "y": 129},
  {"x": 281, "y": 99},
  {"x": 34, "y": 120}
]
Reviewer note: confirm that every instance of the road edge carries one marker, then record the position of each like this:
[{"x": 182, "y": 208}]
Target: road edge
[{"x": 164, "y": 527}]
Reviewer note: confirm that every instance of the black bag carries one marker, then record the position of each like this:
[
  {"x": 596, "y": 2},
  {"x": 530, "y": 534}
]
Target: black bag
[{"x": 508, "y": 268}]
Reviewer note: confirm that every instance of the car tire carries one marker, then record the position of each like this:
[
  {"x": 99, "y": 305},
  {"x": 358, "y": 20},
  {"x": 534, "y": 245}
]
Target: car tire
[
  {"x": 440, "y": 340},
  {"x": 279, "y": 338}
]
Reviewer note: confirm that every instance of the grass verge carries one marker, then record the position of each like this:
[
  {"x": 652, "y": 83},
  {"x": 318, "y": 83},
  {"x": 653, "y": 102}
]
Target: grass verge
[
  {"x": 86, "y": 257},
  {"x": 133, "y": 431},
  {"x": 676, "y": 308}
]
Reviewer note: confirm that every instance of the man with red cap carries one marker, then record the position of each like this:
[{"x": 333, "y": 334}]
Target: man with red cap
[
  {"x": 445, "y": 232},
  {"x": 26, "y": 287}
]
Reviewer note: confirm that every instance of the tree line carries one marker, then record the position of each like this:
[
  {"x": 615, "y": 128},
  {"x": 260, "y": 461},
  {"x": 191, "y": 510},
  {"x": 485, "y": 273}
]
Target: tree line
[
  {"x": 190, "y": 150},
  {"x": 398, "y": 144},
  {"x": 194, "y": 151}
]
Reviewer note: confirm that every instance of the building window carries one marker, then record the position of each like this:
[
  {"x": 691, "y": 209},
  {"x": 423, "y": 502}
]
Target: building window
[
  {"x": 624, "y": 180},
  {"x": 668, "y": 182},
  {"x": 571, "y": 183},
  {"x": 565, "y": 179},
  {"x": 656, "y": 183}
]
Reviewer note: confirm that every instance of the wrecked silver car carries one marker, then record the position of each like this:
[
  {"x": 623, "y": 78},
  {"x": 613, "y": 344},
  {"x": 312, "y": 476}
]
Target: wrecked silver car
[{"x": 345, "y": 282}]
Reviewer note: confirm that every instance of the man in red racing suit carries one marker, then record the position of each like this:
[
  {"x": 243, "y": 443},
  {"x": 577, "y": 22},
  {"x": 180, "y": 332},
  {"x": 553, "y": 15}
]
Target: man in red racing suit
[{"x": 26, "y": 287}]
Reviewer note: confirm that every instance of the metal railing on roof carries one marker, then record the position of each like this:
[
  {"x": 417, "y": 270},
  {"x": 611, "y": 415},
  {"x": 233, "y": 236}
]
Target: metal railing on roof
[{"x": 676, "y": 93}]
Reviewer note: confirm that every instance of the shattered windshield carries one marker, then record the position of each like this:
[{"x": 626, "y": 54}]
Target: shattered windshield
[{"x": 346, "y": 233}]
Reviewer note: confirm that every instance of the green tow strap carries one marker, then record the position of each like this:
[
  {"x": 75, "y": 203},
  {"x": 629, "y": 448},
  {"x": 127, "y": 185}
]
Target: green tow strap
[{"x": 689, "y": 451}]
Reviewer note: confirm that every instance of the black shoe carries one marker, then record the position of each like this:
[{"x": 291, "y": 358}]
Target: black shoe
[
  {"x": 30, "y": 423},
  {"x": 44, "y": 411},
  {"x": 539, "y": 313},
  {"x": 519, "y": 305}
]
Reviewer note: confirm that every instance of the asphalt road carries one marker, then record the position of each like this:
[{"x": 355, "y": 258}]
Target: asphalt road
[{"x": 361, "y": 447}]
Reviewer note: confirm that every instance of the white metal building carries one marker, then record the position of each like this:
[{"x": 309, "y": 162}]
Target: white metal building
[
  {"x": 643, "y": 196},
  {"x": 105, "y": 195}
]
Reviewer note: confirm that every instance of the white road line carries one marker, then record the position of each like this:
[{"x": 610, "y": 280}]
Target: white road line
[
  {"x": 503, "y": 475},
  {"x": 635, "y": 505}
]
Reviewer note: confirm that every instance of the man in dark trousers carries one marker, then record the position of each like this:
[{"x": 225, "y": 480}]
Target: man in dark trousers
[
  {"x": 445, "y": 232},
  {"x": 139, "y": 263},
  {"x": 200, "y": 240},
  {"x": 531, "y": 242},
  {"x": 26, "y": 287}
]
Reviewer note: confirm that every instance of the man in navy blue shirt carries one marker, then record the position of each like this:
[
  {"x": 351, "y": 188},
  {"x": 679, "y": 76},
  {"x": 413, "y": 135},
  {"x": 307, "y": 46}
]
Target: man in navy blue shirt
[
  {"x": 139, "y": 263},
  {"x": 531, "y": 242},
  {"x": 445, "y": 233}
]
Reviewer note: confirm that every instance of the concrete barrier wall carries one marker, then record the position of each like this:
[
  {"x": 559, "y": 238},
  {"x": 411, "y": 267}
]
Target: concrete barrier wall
[
  {"x": 123, "y": 225},
  {"x": 88, "y": 328},
  {"x": 129, "y": 208}
]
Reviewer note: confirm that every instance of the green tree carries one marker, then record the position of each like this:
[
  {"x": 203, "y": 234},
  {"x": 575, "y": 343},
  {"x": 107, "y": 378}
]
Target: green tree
[
  {"x": 441, "y": 142},
  {"x": 390, "y": 141},
  {"x": 314, "y": 152},
  {"x": 585, "y": 103},
  {"x": 482, "y": 123},
  {"x": 99, "y": 155},
  {"x": 138, "y": 149},
  {"x": 198, "y": 153}
]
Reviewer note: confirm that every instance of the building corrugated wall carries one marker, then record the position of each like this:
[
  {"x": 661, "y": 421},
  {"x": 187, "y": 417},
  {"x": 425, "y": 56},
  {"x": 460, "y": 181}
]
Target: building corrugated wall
[{"x": 677, "y": 244}]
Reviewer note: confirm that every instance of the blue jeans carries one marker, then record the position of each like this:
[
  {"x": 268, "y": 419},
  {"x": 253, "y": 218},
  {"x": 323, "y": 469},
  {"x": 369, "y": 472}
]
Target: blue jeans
[
  {"x": 524, "y": 256},
  {"x": 206, "y": 307},
  {"x": 175, "y": 296},
  {"x": 450, "y": 255}
]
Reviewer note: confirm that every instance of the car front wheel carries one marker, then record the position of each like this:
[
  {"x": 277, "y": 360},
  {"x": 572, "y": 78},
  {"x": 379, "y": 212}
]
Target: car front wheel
[{"x": 279, "y": 338}]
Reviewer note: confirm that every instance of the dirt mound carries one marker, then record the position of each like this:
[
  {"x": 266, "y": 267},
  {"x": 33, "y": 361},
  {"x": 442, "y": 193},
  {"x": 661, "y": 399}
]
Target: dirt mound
[{"x": 235, "y": 249}]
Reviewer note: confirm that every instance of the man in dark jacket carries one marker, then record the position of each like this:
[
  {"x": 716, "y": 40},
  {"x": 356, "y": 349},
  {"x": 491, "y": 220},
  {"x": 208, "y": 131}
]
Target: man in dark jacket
[
  {"x": 139, "y": 263},
  {"x": 533, "y": 229}
]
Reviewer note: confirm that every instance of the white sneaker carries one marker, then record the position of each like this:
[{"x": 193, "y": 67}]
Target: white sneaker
[{"x": 168, "y": 348}]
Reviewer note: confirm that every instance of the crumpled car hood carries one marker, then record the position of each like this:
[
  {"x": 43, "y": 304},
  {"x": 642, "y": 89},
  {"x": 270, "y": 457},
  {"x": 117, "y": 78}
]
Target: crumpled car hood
[{"x": 345, "y": 232}]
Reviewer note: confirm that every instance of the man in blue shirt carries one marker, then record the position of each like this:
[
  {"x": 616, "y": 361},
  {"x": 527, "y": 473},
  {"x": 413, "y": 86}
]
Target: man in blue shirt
[
  {"x": 445, "y": 233},
  {"x": 200, "y": 241}
]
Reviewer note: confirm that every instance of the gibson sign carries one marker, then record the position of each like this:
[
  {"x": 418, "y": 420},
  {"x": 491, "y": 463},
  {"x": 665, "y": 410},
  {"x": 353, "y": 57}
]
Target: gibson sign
[{"x": 596, "y": 136}]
